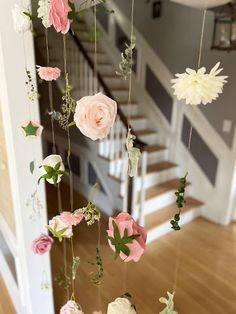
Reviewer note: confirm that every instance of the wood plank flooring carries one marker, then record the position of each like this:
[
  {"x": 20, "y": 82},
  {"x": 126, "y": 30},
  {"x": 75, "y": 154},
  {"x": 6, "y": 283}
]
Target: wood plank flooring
[
  {"x": 204, "y": 283},
  {"x": 6, "y": 306}
]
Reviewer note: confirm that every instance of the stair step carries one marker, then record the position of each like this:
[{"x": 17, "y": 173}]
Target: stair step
[
  {"x": 101, "y": 58},
  {"x": 105, "y": 69},
  {"x": 159, "y": 166},
  {"x": 89, "y": 47},
  {"x": 144, "y": 132},
  {"x": 154, "y": 148},
  {"x": 165, "y": 214},
  {"x": 162, "y": 188}
]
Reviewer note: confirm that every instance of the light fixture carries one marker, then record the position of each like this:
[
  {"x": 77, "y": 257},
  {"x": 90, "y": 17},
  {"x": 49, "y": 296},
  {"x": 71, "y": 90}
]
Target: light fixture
[
  {"x": 224, "y": 34},
  {"x": 201, "y": 4}
]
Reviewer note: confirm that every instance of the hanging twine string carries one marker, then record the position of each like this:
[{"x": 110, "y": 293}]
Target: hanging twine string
[
  {"x": 130, "y": 77},
  {"x": 176, "y": 274},
  {"x": 68, "y": 162}
]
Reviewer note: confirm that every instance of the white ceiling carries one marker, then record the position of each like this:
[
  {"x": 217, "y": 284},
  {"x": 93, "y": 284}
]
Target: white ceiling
[{"x": 202, "y": 4}]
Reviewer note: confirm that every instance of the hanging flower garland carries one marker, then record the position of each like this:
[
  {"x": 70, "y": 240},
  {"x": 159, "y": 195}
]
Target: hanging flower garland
[{"x": 199, "y": 87}]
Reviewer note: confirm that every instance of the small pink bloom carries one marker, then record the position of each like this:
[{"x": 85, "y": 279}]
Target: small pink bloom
[
  {"x": 34, "y": 124},
  {"x": 95, "y": 115},
  {"x": 42, "y": 244},
  {"x": 48, "y": 73},
  {"x": 137, "y": 247},
  {"x": 58, "y": 12},
  {"x": 70, "y": 307},
  {"x": 71, "y": 219}
]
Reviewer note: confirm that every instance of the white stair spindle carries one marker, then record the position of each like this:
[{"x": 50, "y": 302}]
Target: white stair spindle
[{"x": 143, "y": 190}]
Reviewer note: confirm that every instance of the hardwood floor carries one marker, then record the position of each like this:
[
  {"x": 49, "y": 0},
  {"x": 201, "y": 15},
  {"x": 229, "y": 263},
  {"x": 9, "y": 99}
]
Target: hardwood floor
[
  {"x": 206, "y": 274},
  {"x": 6, "y": 306}
]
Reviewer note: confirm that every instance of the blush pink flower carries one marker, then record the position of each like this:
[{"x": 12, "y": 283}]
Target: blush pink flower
[
  {"x": 70, "y": 307},
  {"x": 95, "y": 115},
  {"x": 57, "y": 224},
  {"x": 42, "y": 244},
  {"x": 58, "y": 15},
  {"x": 138, "y": 245},
  {"x": 71, "y": 219},
  {"x": 48, "y": 73}
]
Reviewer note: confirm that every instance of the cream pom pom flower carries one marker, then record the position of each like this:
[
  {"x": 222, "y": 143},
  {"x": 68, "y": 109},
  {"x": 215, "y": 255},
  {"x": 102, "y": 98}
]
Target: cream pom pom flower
[
  {"x": 198, "y": 87},
  {"x": 43, "y": 12},
  {"x": 21, "y": 18}
]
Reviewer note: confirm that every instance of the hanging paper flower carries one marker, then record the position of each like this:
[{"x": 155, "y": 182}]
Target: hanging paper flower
[
  {"x": 59, "y": 229},
  {"x": 52, "y": 169},
  {"x": 95, "y": 115},
  {"x": 121, "y": 306},
  {"x": 42, "y": 244},
  {"x": 169, "y": 309},
  {"x": 71, "y": 219},
  {"x": 32, "y": 128},
  {"x": 21, "y": 18},
  {"x": 43, "y": 12},
  {"x": 71, "y": 307},
  {"x": 58, "y": 15},
  {"x": 48, "y": 73},
  {"x": 198, "y": 87},
  {"x": 126, "y": 237}
]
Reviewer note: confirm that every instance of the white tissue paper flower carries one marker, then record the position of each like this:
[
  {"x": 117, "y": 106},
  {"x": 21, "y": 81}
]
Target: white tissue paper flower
[
  {"x": 121, "y": 306},
  {"x": 43, "y": 12},
  {"x": 22, "y": 22},
  {"x": 198, "y": 87}
]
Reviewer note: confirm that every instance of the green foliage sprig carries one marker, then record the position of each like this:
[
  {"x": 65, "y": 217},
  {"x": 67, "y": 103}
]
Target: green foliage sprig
[
  {"x": 97, "y": 274},
  {"x": 120, "y": 243},
  {"x": 68, "y": 105},
  {"x": 52, "y": 173},
  {"x": 126, "y": 64},
  {"x": 180, "y": 201},
  {"x": 91, "y": 213},
  {"x": 31, "y": 89},
  {"x": 75, "y": 266},
  {"x": 63, "y": 279}
]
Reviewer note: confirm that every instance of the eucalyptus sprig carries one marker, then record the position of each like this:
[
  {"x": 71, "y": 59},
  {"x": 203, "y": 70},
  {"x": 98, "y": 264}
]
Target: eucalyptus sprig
[
  {"x": 97, "y": 274},
  {"x": 31, "y": 89},
  {"x": 52, "y": 173},
  {"x": 68, "y": 105},
  {"x": 63, "y": 279},
  {"x": 180, "y": 201},
  {"x": 119, "y": 242},
  {"x": 75, "y": 266},
  {"x": 126, "y": 64}
]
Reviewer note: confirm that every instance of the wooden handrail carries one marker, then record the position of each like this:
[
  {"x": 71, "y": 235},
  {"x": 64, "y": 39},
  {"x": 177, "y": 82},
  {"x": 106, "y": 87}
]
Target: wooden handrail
[{"x": 139, "y": 143}]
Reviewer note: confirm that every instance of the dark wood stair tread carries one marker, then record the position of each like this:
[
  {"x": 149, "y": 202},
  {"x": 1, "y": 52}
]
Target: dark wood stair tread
[
  {"x": 165, "y": 214},
  {"x": 154, "y": 148},
  {"x": 144, "y": 132}
]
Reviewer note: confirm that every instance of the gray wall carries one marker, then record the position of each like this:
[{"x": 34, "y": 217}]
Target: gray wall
[{"x": 175, "y": 37}]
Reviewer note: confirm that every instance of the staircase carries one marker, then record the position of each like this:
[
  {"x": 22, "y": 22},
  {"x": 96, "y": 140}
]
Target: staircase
[{"x": 151, "y": 193}]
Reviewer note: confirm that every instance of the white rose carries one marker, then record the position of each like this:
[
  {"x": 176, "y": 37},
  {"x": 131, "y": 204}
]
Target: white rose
[
  {"x": 121, "y": 306},
  {"x": 60, "y": 225},
  {"x": 51, "y": 161},
  {"x": 22, "y": 22}
]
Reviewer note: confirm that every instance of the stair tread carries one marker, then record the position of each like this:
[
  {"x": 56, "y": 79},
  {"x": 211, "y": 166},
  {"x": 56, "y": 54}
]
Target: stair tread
[
  {"x": 144, "y": 132},
  {"x": 137, "y": 117},
  {"x": 156, "y": 190},
  {"x": 154, "y": 148},
  {"x": 165, "y": 214},
  {"x": 159, "y": 166}
]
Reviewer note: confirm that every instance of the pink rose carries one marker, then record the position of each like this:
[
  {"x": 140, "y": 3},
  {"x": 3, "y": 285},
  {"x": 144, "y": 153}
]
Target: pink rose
[
  {"x": 48, "y": 73},
  {"x": 58, "y": 12},
  {"x": 42, "y": 244},
  {"x": 32, "y": 128},
  {"x": 95, "y": 115},
  {"x": 71, "y": 219},
  {"x": 138, "y": 245},
  {"x": 70, "y": 307}
]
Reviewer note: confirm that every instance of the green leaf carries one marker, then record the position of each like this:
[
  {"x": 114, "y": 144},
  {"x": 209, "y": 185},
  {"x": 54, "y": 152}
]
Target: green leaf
[
  {"x": 57, "y": 166},
  {"x": 48, "y": 169},
  {"x": 32, "y": 166},
  {"x": 71, "y": 124}
]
